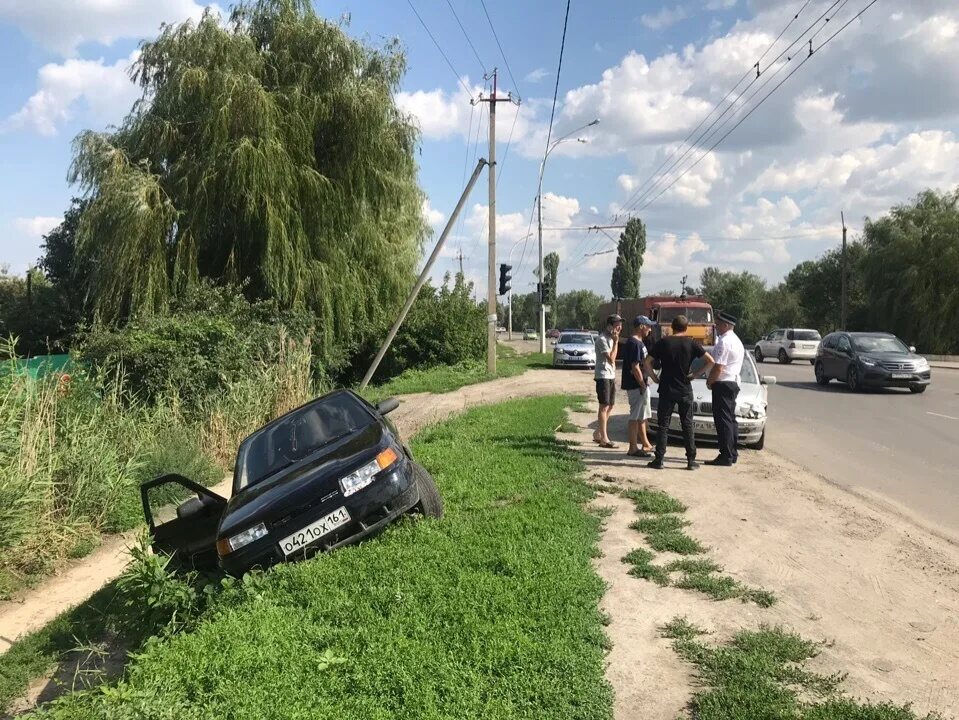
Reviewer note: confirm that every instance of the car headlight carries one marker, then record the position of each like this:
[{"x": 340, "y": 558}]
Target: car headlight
[
  {"x": 359, "y": 479},
  {"x": 753, "y": 412},
  {"x": 242, "y": 539},
  {"x": 922, "y": 364},
  {"x": 867, "y": 362},
  {"x": 559, "y": 351}
]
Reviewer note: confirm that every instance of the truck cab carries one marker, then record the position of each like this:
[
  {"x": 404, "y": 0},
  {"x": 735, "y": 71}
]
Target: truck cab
[{"x": 698, "y": 312}]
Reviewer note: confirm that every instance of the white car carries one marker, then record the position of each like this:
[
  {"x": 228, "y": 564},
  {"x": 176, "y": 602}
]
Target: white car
[
  {"x": 574, "y": 349},
  {"x": 788, "y": 344},
  {"x": 751, "y": 406}
]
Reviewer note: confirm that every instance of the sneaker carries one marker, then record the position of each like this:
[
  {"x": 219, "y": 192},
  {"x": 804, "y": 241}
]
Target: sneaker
[
  {"x": 692, "y": 465},
  {"x": 656, "y": 464},
  {"x": 721, "y": 461}
]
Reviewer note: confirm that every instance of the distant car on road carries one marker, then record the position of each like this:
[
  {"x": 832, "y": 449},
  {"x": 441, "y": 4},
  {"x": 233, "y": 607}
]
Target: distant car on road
[
  {"x": 871, "y": 359},
  {"x": 554, "y": 333},
  {"x": 330, "y": 473},
  {"x": 500, "y": 329},
  {"x": 575, "y": 349},
  {"x": 750, "y": 407},
  {"x": 788, "y": 344},
  {"x": 530, "y": 334}
]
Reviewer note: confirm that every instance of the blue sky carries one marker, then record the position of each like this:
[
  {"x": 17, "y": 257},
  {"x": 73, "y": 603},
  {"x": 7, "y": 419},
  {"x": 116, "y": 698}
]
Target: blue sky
[{"x": 868, "y": 121}]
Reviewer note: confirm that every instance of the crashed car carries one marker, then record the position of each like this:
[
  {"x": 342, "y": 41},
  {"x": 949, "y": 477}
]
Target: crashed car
[{"x": 327, "y": 474}]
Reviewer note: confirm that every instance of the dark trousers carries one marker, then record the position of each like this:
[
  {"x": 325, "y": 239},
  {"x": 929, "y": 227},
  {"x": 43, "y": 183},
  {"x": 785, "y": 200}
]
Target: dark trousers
[
  {"x": 724, "y": 415},
  {"x": 663, "y": 415}
]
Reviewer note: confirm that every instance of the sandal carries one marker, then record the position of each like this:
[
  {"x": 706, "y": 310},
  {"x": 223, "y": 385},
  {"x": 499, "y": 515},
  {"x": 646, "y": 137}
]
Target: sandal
[
  {"x": 640, "y": 453},
  {"x": 608, "y": 445}
]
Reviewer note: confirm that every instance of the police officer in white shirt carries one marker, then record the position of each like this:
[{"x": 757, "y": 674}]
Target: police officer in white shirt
[{"x": 724, "y": 381}]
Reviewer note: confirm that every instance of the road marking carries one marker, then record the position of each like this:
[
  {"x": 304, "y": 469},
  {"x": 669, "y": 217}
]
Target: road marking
[{"x": 947, "y": 417}]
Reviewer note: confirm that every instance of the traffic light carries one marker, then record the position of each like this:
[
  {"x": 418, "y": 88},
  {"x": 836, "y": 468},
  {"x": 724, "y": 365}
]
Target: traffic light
[
  {"x": 504, "y": 278},
  {"x": 544, "y": 292}
]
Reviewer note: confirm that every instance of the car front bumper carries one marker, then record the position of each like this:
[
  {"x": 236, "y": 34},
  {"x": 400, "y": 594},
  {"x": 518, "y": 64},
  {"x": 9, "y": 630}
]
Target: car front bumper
[
  {"x": 879, "y": 377},
  {"x": 371, "y": 509},
  {"x": 583, "y": 361},
  {"x": 750, "y": 429}
]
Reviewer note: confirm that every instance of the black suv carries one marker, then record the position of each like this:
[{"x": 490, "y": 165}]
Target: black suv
[{"x": 870, "y": 359}]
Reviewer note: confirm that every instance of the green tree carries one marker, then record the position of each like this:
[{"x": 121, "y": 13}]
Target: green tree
[
  {"x": 551, "y": 270},
  {"x": 578, "y": 308},
  {"x": 525, "y": 311},
  {"x": 629, "y": 260},
  {"x": 267, "y": 151},
  {"x": 817, "y": 286},
  {"x": 742, "y": 294}
]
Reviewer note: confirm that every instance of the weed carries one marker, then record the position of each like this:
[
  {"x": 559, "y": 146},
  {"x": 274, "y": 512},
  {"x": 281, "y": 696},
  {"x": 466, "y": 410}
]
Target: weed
[
  {"x": 664, "y": 534},
  {"x": 567, "y": 427},
  {"x": 694, "y": 566},
  {"x": 760, "y": 673},
  {"x": 643, "y": 567},
  {"x": 654, "y": 502}
]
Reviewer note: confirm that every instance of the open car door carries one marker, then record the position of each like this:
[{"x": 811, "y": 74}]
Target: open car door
[{"x": 190, "y": 536}]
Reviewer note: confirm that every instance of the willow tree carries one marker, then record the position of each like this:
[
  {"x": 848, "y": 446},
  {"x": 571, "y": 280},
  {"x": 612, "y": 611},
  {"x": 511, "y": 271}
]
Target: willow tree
[{"x": 266, "y": 150}]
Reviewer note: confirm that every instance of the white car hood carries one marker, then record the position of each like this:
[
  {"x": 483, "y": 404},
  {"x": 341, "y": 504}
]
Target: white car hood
[
  {"x": 578, "y": 347},
  {"x": 749, "y": 393}
]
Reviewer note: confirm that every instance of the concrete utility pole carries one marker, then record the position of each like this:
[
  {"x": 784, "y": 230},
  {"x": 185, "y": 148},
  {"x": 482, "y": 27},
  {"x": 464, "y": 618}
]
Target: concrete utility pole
[
  {"x": 842, "y": 312},
  {"x": 423, "y": 275},
  {"x": 491, "y": 290}
]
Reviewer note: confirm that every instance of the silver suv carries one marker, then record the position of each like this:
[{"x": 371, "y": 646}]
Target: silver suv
[{"x": 788, "y": 344}]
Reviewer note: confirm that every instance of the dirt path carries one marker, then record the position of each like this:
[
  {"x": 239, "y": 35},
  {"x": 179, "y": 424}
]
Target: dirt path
[
  {"x": 82, "y": 578},
  {"x": 884, "y": 594}
]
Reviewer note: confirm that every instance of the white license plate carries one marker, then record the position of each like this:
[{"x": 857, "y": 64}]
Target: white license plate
[
  {"x": 314, "y": 531},
  {"x": 702, "y": 425},
  {"x": 900, "y": 376}
]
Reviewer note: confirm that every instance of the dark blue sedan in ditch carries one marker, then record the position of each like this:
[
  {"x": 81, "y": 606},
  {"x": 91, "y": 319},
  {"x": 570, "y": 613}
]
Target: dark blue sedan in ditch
[{"x": 326, "y": 474}]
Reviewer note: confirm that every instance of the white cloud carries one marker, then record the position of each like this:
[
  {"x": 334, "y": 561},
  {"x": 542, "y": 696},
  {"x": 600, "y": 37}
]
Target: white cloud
[
  {"x": 106, "y": 91},
  {"x": 63, "y": 25},
  {"x": 433, "y": 216},
  {"x": 534, "y": 76},
  {"x": 720, "y": 4},
  {"x": 665, "y": 17},
  {"x": 670, "y": 254},
  {"x": 36, "y": 227}
]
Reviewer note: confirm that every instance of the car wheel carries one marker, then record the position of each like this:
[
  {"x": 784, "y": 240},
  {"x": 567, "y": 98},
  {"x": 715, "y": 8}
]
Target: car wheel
[
  {"x": 917, "y": 389},
  {"x": 759, "y": 355},
  {"x": 852, "y": 380},
  {"x": 761, "y": 443},
  {"x": 812, "y": 362},
  {"x": 430, "y": 503},
  {"x": 821, "y": 378},
  {"x": 783, "y": 357}
]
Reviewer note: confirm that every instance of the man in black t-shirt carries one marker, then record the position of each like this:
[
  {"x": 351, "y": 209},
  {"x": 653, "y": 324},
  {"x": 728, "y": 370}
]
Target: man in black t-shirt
[{"x": 675, "y": 354}]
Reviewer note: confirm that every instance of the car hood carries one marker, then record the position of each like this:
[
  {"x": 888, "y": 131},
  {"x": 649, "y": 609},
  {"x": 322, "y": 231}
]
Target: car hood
[
  {"x": 307, "y": 483},
  {"x": 749, "y": 393},
  {"x": 583, "y": 347}
]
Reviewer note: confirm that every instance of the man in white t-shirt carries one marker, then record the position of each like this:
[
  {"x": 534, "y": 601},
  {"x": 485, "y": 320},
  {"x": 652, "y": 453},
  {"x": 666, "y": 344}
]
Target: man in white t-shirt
[
  {"x": 724, "y": 381},
  {"x": 607, "y": 347}
]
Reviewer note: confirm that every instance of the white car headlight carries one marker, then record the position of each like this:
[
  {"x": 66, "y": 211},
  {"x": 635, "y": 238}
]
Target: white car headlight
[
  {"x": 359, "y": 479},
  {"x": 247, "y": 536},
  {"x": 922, "y": 364},
  {"x": 750, "y": 411},
  {"x": 867, "y": 362}
]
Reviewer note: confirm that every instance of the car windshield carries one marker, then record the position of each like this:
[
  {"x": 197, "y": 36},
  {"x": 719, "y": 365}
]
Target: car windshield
[
  {"x": 296, "y": 436},
  {"x": 747, "y": 374},
  {"x": 809, "y": 335},
  {"x": 579, "y": 339},
  {"x": 693, "y": 314},
  {"x": 878, "y": 344}
]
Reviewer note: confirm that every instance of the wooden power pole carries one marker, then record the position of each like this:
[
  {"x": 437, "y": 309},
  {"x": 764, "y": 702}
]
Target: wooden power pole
[{"x": 843, "y": 305}]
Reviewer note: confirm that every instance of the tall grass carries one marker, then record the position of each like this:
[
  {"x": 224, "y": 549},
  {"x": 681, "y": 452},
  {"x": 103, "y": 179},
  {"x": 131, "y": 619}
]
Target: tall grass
[{"x": 72, "y": 456}]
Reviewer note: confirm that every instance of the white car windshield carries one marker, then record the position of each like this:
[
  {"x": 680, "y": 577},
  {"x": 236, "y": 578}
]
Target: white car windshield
[{"x": 580, "y": 339}]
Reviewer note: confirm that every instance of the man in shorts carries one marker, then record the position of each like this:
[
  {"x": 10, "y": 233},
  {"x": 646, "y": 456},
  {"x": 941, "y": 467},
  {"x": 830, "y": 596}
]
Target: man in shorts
[
  {"x": 607, "y": 346},
  {"x": 634, "y": 383}
]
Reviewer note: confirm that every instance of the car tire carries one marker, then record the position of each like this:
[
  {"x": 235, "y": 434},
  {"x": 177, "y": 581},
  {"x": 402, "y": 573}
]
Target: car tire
[
  {"x": 760, "y": 443},
  {"x": 852, "y": 380},
  {"x": 821, "y": 378},
  {"x": 430, "y": 503},
  {"x": 917, "y": 389},
  {"x": 812, "y": 362},
  {"x": 759, "y": 355},
  {"x": 784, "y": 359}
]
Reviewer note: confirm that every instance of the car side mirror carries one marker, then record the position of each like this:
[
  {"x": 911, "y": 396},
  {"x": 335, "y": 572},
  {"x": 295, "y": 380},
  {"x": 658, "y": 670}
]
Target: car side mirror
[
  {"x": 768, "y": 380},
  {"x": 912, "y": 348},
  {"x": 384, "y": 407}
]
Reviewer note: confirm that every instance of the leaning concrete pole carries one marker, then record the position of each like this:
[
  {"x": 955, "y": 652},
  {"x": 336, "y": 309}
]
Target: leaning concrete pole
[{"x": 423, "y": 275}]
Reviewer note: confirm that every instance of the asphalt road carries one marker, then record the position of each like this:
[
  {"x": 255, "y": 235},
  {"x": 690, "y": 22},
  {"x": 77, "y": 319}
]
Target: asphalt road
[
  {"x": 901, "y": 446},
  {"x": 887, "y": 443}
]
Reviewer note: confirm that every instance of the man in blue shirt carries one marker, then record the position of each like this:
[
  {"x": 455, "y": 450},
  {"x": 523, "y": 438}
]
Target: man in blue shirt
[{"x": 637, "y": 390}]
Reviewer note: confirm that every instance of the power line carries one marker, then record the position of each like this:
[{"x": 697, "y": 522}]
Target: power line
[
  {"x": 641, "y": 194},
  {"x": 509, "y": 70},
  {"x": 467, "y": 36},
  {"x": 759, "y": 104},
  {"x": 559, "y": 67},
  {"x": 502, "y": 164},
  {"x": 428, "y": 32}
]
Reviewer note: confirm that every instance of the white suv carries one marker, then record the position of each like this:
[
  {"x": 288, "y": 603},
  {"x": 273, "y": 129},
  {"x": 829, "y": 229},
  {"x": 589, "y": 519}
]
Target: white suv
[{"x": 788, "y": 344}]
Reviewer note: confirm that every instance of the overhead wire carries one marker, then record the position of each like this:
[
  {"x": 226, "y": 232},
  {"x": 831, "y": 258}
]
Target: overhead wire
[
  {"x": 459, "y": 78},
  {"x": 509, "y": 70},
  {"x": 657, "y": 178},
  {"x": 759, "y": 104},
  {"x": 469, "y": 40}
]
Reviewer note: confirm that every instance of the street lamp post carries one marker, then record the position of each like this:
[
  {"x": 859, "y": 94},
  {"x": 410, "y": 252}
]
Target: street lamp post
[{"x": 539, "y": 225}]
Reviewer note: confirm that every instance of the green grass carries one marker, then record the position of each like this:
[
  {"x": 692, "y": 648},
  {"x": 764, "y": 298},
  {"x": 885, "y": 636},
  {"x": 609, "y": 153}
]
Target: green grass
[
  {"x": 491, "y": 612},
  {"x": 643, "y": 567},
  {"x": 760, "y": 674},
  {"x": 664, "y": 534},
  {"x": 445, "y": 378},
  {"x": 654, "y": 502}
]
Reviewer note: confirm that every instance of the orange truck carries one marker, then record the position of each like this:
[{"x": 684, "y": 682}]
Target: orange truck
[{"x": 661, "y": 309}]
